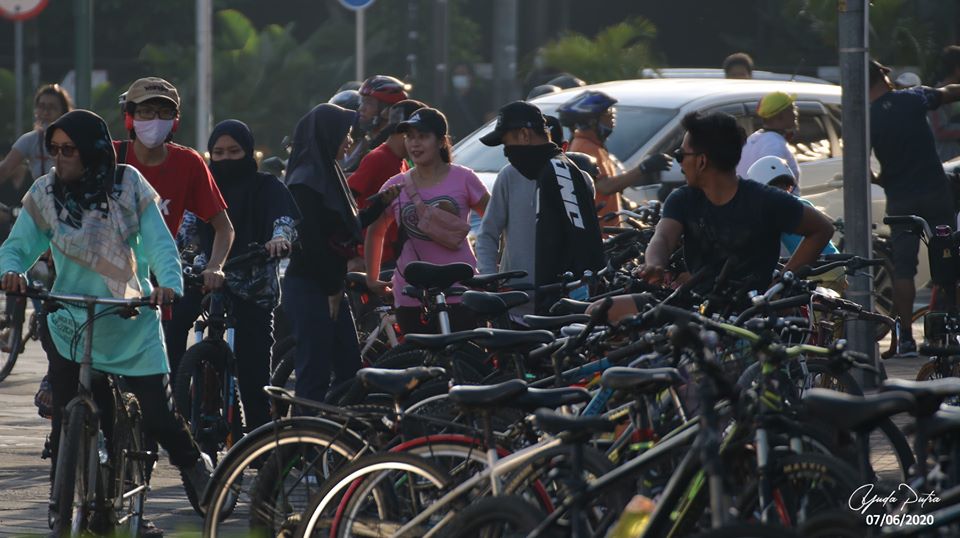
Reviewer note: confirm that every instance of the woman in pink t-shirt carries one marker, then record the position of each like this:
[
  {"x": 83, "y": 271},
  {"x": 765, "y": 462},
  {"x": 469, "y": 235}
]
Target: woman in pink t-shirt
[{"x": 440, "y": 184}]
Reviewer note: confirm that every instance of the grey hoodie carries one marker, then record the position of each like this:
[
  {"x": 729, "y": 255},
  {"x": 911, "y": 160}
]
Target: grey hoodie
[{"x": 511, "y": 216}]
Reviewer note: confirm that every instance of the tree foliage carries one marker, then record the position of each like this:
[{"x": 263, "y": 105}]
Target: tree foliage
[
  {"x": 618, "y": 52},
  {"x": 898, "y": 35}
]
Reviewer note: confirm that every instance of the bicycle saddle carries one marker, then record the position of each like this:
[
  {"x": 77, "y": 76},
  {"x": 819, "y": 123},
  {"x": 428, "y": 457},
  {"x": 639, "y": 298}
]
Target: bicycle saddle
[
  {"x": 483, "y": 281},
  {"x": 569, "y": 306},
  {"x": 493, "y": 304},
  {"x": 440, "y": 341},
  {"x": 555, "y": 423},
  {"x": 928, "y": 394},
  {"x": 508, "y": 339},
  {"x": 857, "y": 413},
  {"x": 486, "y": 396},
  {"x": 534, "y": 399},
  {"x": 641, "y": 380},
  {"x": 397, "y": 383},
  {"x": 431, "y": 276},
  {"x": 554, "y": 322}
]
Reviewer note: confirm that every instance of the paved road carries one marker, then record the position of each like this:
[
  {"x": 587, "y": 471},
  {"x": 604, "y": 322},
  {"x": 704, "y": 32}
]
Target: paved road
[{"x": 24, "y": 487}]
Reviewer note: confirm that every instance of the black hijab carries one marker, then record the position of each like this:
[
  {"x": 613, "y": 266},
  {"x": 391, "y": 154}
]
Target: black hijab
[
  {"x": 90, "y": 134},
  {"x": 313, "y": 162},
  {"x": 254, "y": 200}
]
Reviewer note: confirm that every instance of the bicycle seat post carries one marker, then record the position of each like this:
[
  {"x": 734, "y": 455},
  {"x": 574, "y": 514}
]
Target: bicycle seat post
[{"x": 443, "y": 315}]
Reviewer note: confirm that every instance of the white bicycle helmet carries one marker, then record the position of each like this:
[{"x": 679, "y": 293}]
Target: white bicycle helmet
[{"x": 769, "y": 168}]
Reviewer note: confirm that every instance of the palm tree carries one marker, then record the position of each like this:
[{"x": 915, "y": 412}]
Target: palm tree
[{"x": 621, "y": 51}]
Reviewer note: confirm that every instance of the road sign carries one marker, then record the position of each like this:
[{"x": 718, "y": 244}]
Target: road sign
[
  {"x": 21, "y": 10},
  {"x": 356, "y": 5}
]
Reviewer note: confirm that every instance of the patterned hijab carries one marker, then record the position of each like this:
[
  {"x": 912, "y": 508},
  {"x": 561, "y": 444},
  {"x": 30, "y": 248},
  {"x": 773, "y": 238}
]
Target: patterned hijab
[{"x": 92, "y": 220}]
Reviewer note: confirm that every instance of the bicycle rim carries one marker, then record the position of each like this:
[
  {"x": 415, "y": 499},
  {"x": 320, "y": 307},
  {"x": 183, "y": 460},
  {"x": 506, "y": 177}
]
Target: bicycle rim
[
  {"x": 234, "y": 481},
  {"x": 12, "y": 324}
]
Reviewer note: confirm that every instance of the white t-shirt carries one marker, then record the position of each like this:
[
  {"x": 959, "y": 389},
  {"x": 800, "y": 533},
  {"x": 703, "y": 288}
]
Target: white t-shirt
[
  {"x": 762, "y": 144},
  {"x": 32, "y": 146}
]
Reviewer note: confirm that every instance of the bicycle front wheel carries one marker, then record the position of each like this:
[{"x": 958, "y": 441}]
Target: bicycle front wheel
[
  {"x": 129, "y": 476},
  {"x": 74, "y": 481},
  {"x": 505, "y": 517},
  {"x": 375, "y": 496},
  {"x": 11, "y": 333}
]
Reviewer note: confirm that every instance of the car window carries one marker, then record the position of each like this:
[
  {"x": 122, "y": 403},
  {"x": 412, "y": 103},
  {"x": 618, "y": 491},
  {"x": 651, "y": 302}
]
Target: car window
[
  {"x": 635, "y": 126},
  {"x": 812, "y": 141}
]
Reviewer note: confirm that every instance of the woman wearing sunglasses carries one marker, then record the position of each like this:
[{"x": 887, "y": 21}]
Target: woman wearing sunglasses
[{"x": 107, "y": 236}]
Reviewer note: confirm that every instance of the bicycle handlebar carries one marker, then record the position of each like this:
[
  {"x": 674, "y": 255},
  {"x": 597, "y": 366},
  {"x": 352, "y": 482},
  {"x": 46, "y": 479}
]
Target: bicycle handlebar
[
  {"x": 851, "y": 263},
  {"x": 915, "y": 222},
  {"x": 34, "y": 293}
]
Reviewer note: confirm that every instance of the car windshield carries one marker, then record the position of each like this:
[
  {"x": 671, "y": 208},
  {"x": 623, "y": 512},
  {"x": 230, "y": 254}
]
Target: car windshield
[{"x": 635, "y": 126}]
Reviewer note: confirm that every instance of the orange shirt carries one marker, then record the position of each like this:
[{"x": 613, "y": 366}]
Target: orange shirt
[{"x": 588, "y": 142}]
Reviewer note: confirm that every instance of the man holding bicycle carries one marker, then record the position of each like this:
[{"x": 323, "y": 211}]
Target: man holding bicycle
[{"x": 911, "y": 175}]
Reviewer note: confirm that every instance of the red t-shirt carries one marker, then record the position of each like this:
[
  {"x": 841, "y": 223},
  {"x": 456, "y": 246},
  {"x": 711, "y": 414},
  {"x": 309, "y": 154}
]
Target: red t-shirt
[
  {"x": 183, "y": 182},
  {"x": 375, "y": 169}
]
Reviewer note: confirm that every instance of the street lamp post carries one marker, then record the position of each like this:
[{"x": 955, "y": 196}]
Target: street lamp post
[
  {"x": 83, "y": 51},
  {"x": 854, "y": 54}
]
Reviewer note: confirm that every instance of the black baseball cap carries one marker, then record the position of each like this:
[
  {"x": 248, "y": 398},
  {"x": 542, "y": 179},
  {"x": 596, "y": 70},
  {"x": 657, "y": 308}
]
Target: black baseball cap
[
  {"x": 427, "y": 120},
  {"x": 515, "y": 115}
]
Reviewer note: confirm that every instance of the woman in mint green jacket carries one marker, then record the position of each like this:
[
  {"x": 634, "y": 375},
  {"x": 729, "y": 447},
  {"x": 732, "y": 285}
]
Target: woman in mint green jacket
[{"x": 106, "y": 234}]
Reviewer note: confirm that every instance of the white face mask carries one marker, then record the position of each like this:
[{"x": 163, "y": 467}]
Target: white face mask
[
  {"x": 461, "y": 82},
  {"x": 152, "y": 133}
]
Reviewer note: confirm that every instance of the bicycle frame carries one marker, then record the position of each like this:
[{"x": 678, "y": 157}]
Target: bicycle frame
[{"x": 385, "y": 326}]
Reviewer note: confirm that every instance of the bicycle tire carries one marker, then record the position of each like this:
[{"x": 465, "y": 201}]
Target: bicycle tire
[
  {"x": 844, "y": 382},
  {"x": 215, "y": 354},
  {"x": 931, "y": 370},
  {"x": 280, "y": 377},
  {"x": 17, "y": 316},
  {"x": 256, "y": 448},
  {"x": 542, "y": 470},
  {"x": 129, "y": 470},
  {"x": 282, "y": 346},
  {"x": 349, "y": 482},
  {"x": 829, "y": 477},
  {"x": 72, "y": 474},
  {"x": 493, "y": 514}
]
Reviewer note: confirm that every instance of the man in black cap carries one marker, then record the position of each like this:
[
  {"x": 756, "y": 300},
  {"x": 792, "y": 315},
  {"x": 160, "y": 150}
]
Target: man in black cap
[
  {"x": 911, "y": 176},
  {"x": 541, "y": 207}
]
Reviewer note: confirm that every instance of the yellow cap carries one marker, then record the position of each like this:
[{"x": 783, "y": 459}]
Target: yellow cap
[{"x": 774, "y": 103}]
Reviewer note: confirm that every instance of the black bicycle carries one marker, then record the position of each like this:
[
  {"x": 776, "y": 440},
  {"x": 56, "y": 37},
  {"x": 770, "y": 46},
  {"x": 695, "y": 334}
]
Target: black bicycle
[
  {"x": 206, "y": 390},
  {"x": 100, "y": 485}
]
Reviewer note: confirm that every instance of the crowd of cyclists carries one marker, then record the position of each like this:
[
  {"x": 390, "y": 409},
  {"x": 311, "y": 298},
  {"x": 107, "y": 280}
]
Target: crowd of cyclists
[{"x": 373, "y": 210}]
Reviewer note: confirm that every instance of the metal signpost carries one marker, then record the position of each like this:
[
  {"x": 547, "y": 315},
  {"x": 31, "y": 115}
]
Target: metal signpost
[
  {"x": 19, "y": 11},
  {"x": 854, "y": 53},
  {"x": 359, "y": 6}
]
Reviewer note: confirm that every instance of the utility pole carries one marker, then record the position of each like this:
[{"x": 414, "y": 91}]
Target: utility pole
[
  {"x": 18, "y": 76},
  {"x": 441, "y": 49},
  {"x": 504, "y": 52},
  {"x": 854, "y": 55},
  {"x": 204, "y": 72},
  {"x": 83, "y": 50}
]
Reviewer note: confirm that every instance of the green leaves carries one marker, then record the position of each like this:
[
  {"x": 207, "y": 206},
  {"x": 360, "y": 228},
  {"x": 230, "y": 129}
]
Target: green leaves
[{"x": 620, "y": 51}]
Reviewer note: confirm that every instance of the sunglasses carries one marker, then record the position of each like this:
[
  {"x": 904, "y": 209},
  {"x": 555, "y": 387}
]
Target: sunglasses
[
  {"x": 679, "y": 154},
  {"x": 66, "y": 150}
]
